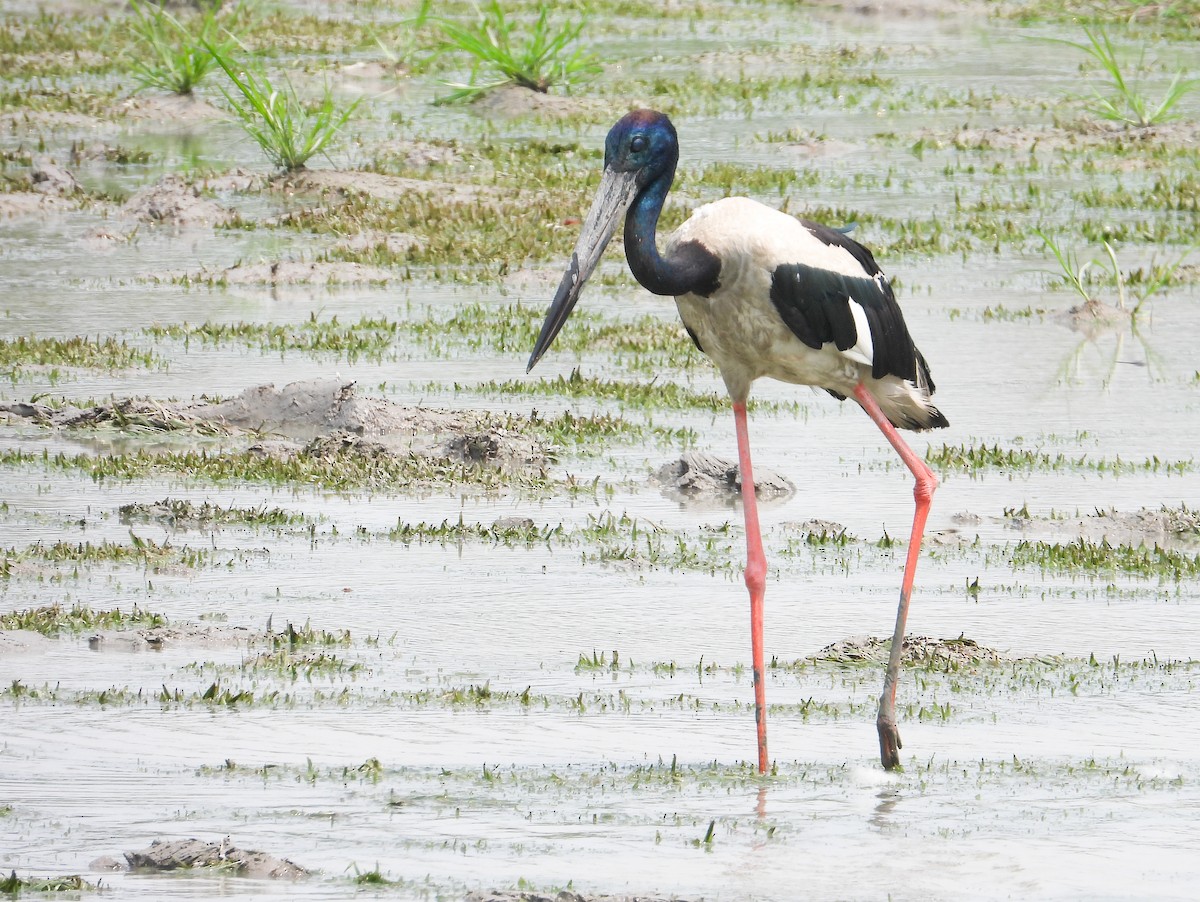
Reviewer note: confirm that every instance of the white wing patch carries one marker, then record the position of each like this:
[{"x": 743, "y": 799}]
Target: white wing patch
[{"x": 864, "y": 349}]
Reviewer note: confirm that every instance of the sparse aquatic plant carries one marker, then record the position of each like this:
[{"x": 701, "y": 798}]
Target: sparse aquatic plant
[
  {"x": 289, "y": 130},
  {"x": 645, "y": 395},
  {"x": 14, "y": 886},
  {"x": 373, "y": 877},
  {"x": 972, "y": 458},
  {"x": 78, "y": 351},
  {"x": 1122, "y": 102},
  {"x": 598, "y": 661},
  {"x": 290, "y": 637},
  {"x": 1147, "y": 281},
  {"x": 181, "y": 513},
  {"x": 1144, "y": 283},
  {"x": 1102, "y": 557},
  {"x": 1071, "y": 272},
  {"x": 174, "y": 57},
  {"x": 504, "y": 53},
  {"x": 369, "y": 337},
  {"x": 54, "y": 619},
  {"x": 405, "y": 54}
]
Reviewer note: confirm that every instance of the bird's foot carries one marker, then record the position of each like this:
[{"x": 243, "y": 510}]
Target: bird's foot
[{"x": 889, "y": 741}]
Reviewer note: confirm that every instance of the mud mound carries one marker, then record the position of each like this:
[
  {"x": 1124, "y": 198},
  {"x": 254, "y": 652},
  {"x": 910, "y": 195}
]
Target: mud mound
[
  {"x": 52, "y": 179},
  {"x": 315, "y": 417},
  {"x": 173, "y": 200},
  {"x": 417, "y": 154},
  {"x": 20, "y": 641},
  {"x": 28, "y": 203},
  {"x": 157, "y": 638},
  {"x": 920, "y": 650},
  {"x": 1094, "y": 316},
  {"x": 372, "y": 184},
  {"x": 174, "y": 108},
  {"x": 817, "y": 527},
  {"x": 1144, "y": 525},
  {"x": 514, "y": 100},
  {"x": 697, "y": 476},
  {"x": 126, "y": 413},
  {"x": 237, "y": 179},
  {"x": 176, "y": 854}
]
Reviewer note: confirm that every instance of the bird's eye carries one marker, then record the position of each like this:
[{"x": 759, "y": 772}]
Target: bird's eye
[{"x": 638, "y": 144}]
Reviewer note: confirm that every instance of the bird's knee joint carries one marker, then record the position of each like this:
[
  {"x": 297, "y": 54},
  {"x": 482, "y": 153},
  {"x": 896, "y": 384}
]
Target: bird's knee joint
[
  {"x": 756, "y": 577},
  {"x": 925, "y": 487}
]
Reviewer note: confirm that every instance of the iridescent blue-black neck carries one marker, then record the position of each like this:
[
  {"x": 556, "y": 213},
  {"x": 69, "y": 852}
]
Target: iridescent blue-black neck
[{"x": 689, "y": 267}]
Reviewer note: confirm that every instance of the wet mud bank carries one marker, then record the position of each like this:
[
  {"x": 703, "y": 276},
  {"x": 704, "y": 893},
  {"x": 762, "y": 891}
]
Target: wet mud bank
[{"x": 314, "y": 417}]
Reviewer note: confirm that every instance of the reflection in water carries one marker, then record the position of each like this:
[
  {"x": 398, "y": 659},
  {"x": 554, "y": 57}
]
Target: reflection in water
[
  {"x": 1074, "y": 368},
  {"x": 888, "y": 799}
]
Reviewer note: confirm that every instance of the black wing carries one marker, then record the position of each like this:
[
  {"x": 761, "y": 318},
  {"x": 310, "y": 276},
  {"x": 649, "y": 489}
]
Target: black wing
[{"x": 815, "y": 304}]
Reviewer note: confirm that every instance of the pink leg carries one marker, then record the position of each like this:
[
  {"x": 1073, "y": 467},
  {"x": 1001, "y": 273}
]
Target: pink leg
[
  {"x": 889, "y": 734},
  {"x": 756, "y": 579}
]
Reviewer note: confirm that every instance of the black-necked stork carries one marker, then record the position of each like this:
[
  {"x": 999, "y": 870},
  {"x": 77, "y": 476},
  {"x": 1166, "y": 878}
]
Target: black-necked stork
[{"x": 764, "y": 294}]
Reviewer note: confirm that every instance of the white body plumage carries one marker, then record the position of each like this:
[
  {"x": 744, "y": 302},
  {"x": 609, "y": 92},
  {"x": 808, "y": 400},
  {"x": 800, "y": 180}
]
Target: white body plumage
[{"x": 739, "y": 327}]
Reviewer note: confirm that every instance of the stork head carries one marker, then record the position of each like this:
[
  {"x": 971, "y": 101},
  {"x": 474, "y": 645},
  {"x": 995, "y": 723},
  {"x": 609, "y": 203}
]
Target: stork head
[{"x": 640, "y": 150}]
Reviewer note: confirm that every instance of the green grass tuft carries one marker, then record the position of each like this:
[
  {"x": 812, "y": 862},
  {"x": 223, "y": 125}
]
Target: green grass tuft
[
  {"x": 78, "y": 351},
  {"x": 55, "y": 619},
  {"x": 171, "y": 56},
  {"x": 289, "y": 131},
  {"x": 1122, "y": 102},
  {"x": 14, "y": 886},
  {"x": 1082, "y": 555},
  {"x": 504, "y": 53}
]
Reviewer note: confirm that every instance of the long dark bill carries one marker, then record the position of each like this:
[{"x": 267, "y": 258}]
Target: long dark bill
[{"x": 616, "y": 193}]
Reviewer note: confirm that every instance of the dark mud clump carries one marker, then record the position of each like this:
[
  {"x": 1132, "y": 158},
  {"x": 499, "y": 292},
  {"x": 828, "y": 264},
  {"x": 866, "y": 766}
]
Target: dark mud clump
[
  {"x": 698, "y": 476},
  {"x": 178, "y": 854}
]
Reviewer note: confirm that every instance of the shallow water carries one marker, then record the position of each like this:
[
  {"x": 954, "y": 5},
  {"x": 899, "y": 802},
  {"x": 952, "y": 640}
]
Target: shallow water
[{"x": 1048, "y": 777}]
